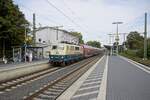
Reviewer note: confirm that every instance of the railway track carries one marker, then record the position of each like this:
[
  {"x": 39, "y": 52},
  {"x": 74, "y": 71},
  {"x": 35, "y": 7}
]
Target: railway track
[
  {"x": 34, "y": 85},
  {"x": 54, "y": 89},
  {"x": 6, "y": 86}
]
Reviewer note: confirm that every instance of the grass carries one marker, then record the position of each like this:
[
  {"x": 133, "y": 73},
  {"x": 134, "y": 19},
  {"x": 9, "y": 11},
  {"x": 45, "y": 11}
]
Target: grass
[{"x": 137, "y": 59}]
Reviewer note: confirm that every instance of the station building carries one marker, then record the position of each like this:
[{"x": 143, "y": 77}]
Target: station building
[{"x": 50, "y": 35}]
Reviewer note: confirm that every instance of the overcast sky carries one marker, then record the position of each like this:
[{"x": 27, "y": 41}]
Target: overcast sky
[{"x": 93, "y": 18}]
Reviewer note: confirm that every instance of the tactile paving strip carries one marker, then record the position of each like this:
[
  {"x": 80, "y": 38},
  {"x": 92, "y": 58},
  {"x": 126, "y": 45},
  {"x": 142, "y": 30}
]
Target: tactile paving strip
[{"x": 89, "y": 90}]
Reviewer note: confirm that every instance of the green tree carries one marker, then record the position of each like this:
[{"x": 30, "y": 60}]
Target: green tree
[
  {"x": 79, "y": 35},
  {"x": 135, "y": 41},
  {"x": 11, "y": 21},
  {"x": 94, "y": 44}
]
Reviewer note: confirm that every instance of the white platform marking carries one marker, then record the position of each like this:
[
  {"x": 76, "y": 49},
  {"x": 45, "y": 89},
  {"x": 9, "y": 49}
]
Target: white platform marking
[
  {"x": 103, "y": 86},
  {"x": 136, "y": 64},
  {"x": 97, "y": 79},
  {"x": 86, "y": 88},
  {"x": 90, "y": 83},
  {"x": 76, "y": 85},
  {"x": 84, "y": 94}
]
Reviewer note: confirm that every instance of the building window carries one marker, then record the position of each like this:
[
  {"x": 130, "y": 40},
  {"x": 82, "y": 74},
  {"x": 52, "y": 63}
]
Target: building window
[{"x": 40, "y": 39}]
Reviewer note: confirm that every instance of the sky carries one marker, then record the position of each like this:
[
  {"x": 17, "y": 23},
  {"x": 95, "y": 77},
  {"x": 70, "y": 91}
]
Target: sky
[{"x": 93, "y": 18}]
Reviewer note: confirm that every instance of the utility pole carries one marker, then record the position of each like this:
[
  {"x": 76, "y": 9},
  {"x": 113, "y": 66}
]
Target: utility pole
[
  {"x": 25, "y": 38},
  {"x": 145, "y": 38},
  {"x": 111, "y": 38},
  {"x": 34, "y": 27},
  {"x": 57, "y": 28},
  {"x": 25, "y": 49},
  {"x": 3, "y": 49},
  {"x": 117, "y": 36},
  {"x": 57, "y": 33}
]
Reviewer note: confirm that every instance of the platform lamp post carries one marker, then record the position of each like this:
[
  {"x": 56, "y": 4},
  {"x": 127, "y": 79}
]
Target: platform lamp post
[
  {"x": 25, "y": 43},
  {"x": 117, "y": 35}
]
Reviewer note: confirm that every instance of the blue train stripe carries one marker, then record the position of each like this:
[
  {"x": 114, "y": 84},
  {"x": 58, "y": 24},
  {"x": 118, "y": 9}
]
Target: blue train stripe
[{"x": 64, "y": 58}]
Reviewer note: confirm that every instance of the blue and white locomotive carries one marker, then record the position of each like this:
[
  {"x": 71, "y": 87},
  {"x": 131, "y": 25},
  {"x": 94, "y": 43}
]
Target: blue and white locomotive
[{"x": 63, "y": 53}]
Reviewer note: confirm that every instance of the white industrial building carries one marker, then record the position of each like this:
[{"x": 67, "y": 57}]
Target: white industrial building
[{"x": 51, "y": 35}]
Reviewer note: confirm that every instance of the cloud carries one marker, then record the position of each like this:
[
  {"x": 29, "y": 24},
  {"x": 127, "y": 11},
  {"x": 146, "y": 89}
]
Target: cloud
[{"x": 94, "y": 17}]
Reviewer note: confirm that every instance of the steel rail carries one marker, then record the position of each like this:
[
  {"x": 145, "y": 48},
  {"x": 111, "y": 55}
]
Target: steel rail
[
  {"x": 24, "y": 79},
  {"x": 71, "y": 75},
  {"x": 28, "y": 78}
]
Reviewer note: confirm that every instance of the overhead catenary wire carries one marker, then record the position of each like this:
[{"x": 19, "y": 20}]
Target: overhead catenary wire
[
  {"x": 52, "y": 5},
  {"x": 38, "y": 14},
  {"x": 76, "y": 17},
  {"x": 135, "y": 23},
  {"x": 74, "y": 14}
]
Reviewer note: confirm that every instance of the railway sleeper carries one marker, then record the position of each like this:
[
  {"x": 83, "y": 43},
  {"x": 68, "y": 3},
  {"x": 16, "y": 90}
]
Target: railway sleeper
[
  {"x": 53, "y": 89},
  {"x": 46, "y": 97},
  {"x": 51, "y": 93}
]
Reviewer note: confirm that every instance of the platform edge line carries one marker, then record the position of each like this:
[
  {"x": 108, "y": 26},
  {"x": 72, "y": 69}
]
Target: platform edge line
[
  {"x": 133, "y": 63},
  {"x": 103, "y": 86}
]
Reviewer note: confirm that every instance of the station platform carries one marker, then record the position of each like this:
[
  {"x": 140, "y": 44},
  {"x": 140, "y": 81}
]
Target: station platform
[
  {"x": 90, "y": 86},
  {"x": 111, "y": 78},
  {"x": 11, "y": 66}
]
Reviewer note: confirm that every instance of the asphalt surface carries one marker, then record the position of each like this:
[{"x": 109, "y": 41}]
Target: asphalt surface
[
  {"x": 4, "y": 67},
  {"x": 126, "y": 81}
]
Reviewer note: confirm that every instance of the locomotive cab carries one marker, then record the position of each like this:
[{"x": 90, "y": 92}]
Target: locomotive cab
[{"x": 62, "y": 53}]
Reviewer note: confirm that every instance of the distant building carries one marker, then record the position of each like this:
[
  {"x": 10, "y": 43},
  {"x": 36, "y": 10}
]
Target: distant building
[{"x": 51, "y": 35}]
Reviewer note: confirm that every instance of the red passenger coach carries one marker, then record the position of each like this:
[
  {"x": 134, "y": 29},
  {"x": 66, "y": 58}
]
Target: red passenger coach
[{"x": 90, "y": 51}]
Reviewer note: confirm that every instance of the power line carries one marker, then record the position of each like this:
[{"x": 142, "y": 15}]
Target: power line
[
  {"x": 74, "y": 14},
  {"x": 135, "y": 23},
  {"x": 47, "y": 18},
  {"x": 64, "y": 14},
  {"x": 38, "y": 14}
]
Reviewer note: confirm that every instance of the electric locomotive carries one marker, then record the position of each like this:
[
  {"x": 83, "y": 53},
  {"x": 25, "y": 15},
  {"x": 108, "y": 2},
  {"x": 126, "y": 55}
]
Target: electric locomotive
[{"x": 63, "y": 53}]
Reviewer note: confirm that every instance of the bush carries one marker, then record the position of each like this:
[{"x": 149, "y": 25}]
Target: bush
[
  {"x": 140, "y": 53},
  {"x": 131, "y": 52}
]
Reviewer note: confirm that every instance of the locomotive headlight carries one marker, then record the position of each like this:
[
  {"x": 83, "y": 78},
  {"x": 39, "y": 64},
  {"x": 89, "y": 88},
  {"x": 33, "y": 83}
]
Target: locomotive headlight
[{"x": 62, "y": 57}]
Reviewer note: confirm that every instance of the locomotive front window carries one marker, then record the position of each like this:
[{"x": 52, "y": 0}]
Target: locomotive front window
[
  {"x": 72, "y": 48},
  {"x": 54, "y": 47},
  {"x": 76, "y": 48},
  {"x": 61, "y": 47}
]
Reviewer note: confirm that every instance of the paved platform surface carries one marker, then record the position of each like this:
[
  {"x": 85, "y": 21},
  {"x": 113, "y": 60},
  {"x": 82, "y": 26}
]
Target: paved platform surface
[
  {"x": 124, "y": 80},
  {"x": 4, "y": 67},
  {"x": 127, "y": 81}
]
